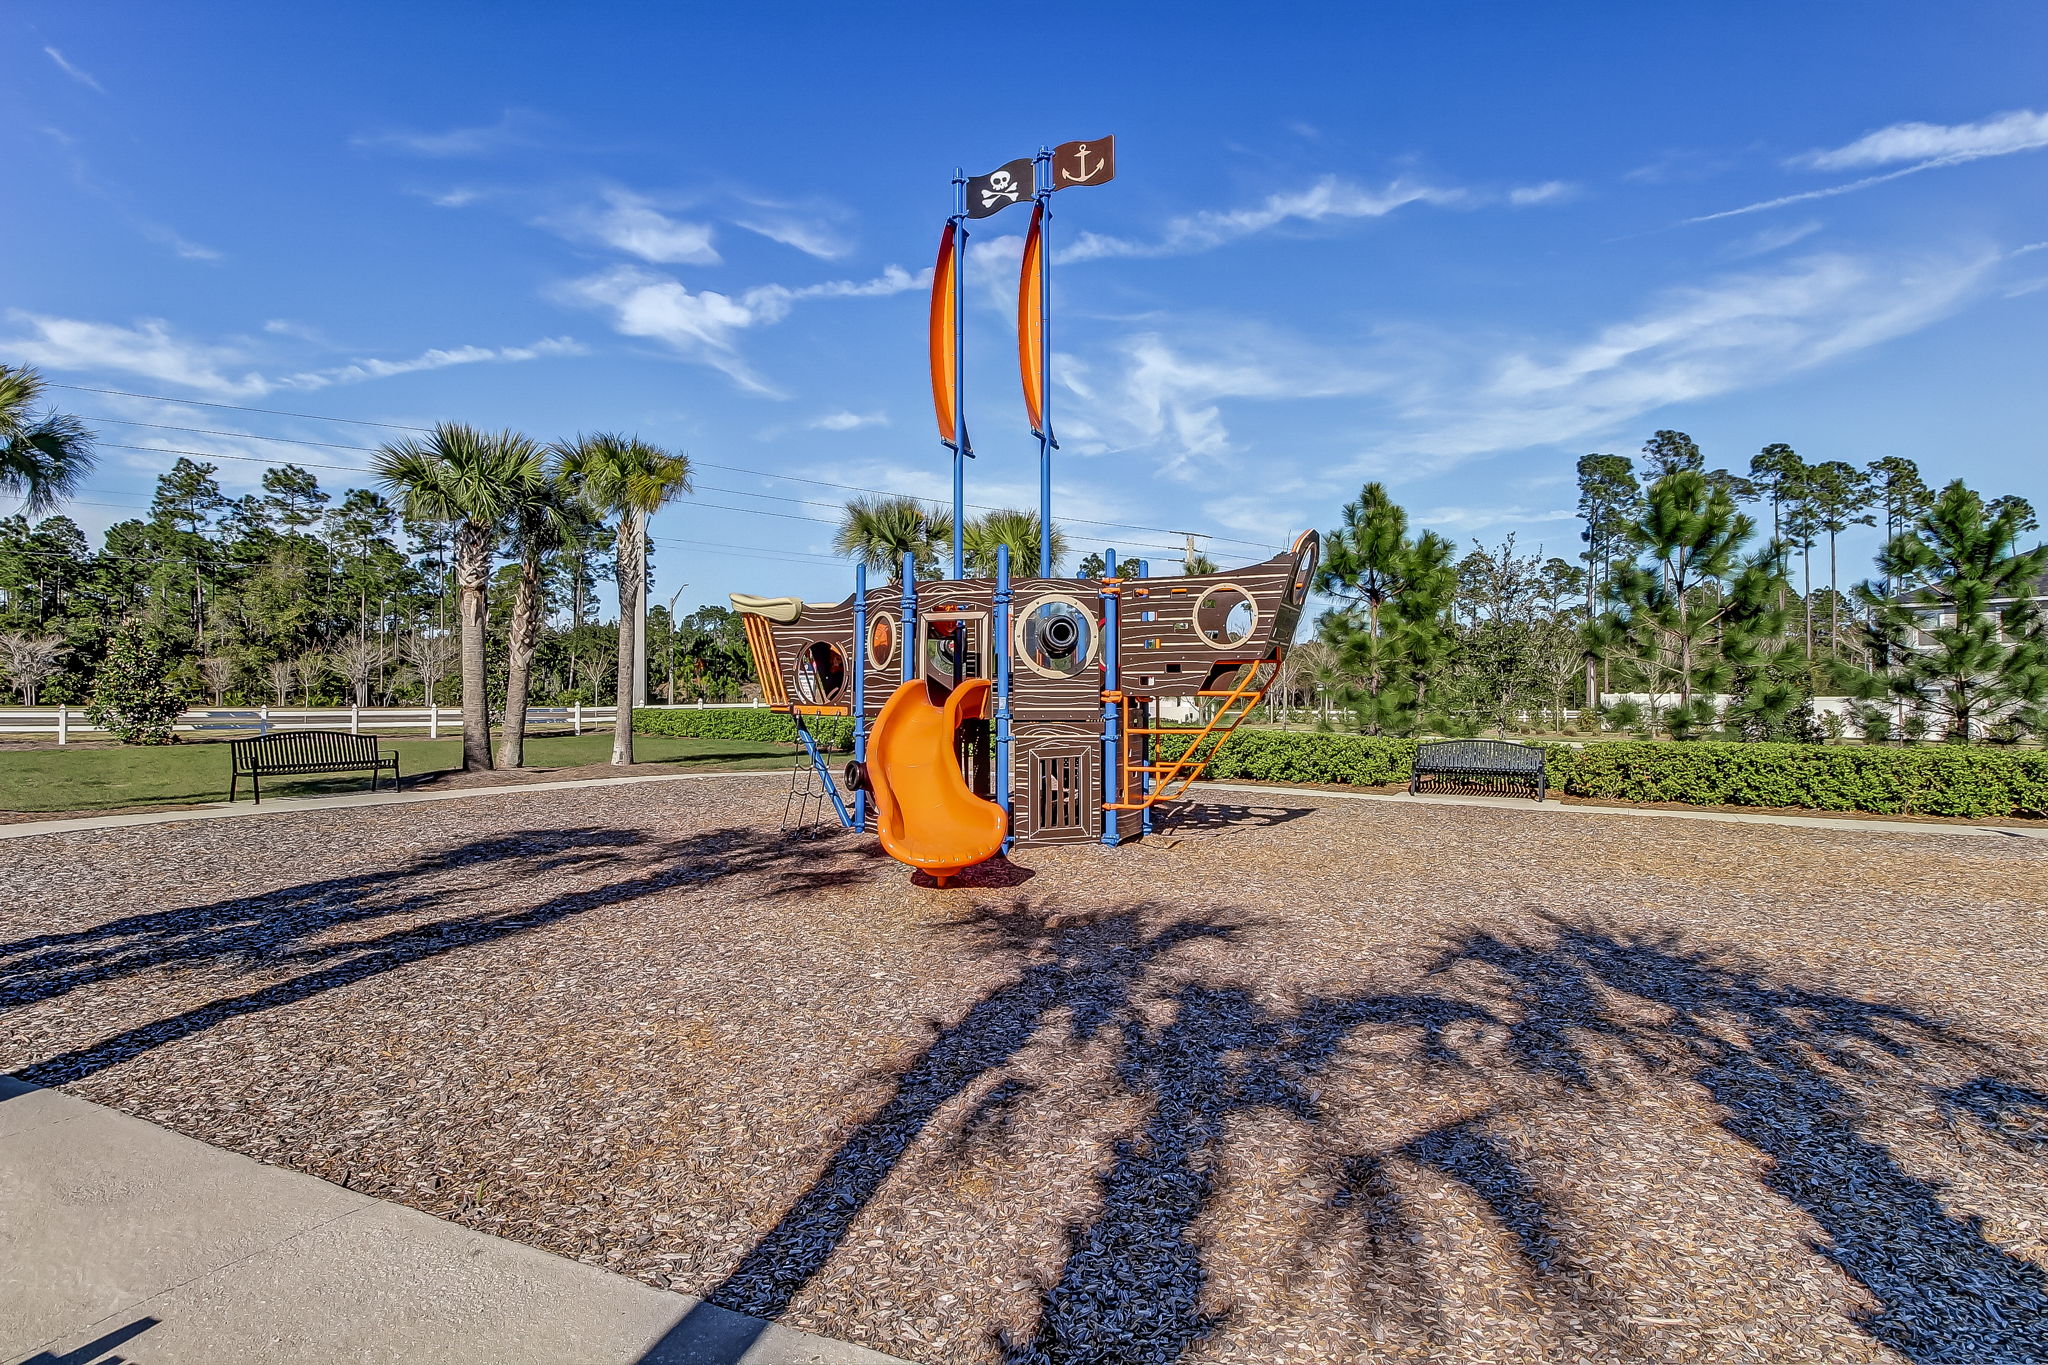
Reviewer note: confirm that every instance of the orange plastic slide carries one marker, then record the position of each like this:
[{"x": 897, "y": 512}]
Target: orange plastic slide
[{"x": 927, "y": 815}]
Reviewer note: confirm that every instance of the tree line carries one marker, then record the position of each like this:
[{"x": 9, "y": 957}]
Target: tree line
[
  {"x": 477, "y": 558},
  {"x": 1706, "y": 616},
  {"x": 1703, "y": 601}
]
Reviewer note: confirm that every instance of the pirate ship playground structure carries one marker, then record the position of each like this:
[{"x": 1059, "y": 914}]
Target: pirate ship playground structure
[{"x": 988, "y": 713}]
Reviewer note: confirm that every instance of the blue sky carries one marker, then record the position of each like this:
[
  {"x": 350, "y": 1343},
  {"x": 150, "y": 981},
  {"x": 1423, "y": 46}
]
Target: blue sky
[{"x": 1447, "y": 247}]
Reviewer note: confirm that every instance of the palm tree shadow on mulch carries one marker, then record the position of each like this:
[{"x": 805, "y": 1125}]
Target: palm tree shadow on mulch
[
  {"x": 1794, "y": 1068},
  {"x": 297, "y": 926}
]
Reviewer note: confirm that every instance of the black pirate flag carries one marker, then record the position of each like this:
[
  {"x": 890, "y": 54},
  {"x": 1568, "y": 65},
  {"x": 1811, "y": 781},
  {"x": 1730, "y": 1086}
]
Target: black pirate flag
[
  {"x": 1083, "y": 163},
  {"x": 1010, "y": 183}
]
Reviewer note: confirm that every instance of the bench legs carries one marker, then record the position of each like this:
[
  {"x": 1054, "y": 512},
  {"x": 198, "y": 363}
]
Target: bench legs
[{"x": 1541, "y": 781}]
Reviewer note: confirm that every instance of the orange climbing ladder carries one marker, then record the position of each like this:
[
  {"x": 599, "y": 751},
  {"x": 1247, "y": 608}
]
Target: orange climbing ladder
[{"x": 1172, "y": 777}]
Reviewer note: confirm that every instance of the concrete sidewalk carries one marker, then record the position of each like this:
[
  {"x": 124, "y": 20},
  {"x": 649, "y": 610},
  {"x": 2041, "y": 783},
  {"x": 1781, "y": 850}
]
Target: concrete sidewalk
[
  {"x": 1523, "y": 805},
  {"x": 123, "y": 1241}
]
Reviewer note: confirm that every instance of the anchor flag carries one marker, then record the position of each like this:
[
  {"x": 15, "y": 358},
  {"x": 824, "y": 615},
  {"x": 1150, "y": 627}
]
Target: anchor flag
[
  {"x": 1013, "y": 182},
  {"x": 1083, "y": 163}
]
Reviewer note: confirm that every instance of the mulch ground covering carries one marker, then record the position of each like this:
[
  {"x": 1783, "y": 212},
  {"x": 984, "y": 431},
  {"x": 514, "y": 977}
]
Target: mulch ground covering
[{"x": 1321, "y": 1081}]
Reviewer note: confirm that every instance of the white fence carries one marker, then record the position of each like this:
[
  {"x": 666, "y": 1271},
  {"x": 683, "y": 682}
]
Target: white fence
[{"x": 65, "y": 723}]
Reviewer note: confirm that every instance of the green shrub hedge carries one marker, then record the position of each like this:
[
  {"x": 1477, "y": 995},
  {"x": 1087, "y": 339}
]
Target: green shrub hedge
[
  {"x": 1934, "y": 779},
  {"x": 756, "y": 724},
  {"x": 1931, "y": 779}
]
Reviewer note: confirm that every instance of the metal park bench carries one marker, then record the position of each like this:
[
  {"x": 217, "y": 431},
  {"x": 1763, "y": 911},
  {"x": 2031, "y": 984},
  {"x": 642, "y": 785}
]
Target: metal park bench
[
  {"x": 1470, "y": 759},
  {"x": 293, "y": 753}
]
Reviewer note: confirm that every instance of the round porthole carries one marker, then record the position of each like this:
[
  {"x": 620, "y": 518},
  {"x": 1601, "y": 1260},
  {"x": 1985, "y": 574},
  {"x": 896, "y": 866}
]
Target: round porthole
[
  {"x": 1055, "y": 637},
  {"x": 1225, "y": 616},
  {"x": 881, "y": 641},
  {"x": 1308, "y": 548},
  {"x": 820, "y": 674}
]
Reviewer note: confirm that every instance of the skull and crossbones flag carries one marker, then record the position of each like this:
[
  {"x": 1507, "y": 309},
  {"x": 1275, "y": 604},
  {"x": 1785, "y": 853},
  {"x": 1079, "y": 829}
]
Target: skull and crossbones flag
[{"x": 1010, "y": 183}]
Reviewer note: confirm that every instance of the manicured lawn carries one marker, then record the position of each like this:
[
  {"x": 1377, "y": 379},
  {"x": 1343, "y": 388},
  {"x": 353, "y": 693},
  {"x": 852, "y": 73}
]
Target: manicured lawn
[{"x": 182, "y": 774}]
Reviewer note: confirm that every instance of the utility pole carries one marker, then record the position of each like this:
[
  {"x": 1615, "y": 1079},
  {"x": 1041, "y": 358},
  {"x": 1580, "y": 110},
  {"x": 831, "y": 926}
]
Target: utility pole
[
  {"x": 1188, "y": 561},
  {"x": 671, "y": 643}
]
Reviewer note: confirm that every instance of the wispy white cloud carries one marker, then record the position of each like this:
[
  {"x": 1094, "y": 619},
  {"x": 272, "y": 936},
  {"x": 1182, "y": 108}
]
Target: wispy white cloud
[
  {"x": 1549, "y": 192},
  {"x": 705, "y": 325},
  {"x": 1166, "y": 394},
  {"x": 513, "y": 128},
  {"x": 149, "y": 229},
  {"x": 84, "y": 78},
  {"x": 1937, "y": 145},
  {"x": 461, "y": 196},
  {"x": 152, "y": 350},
  {"x": 1329, "y": 198},
  {"x": 1807, "y": 196},
  {"x": 1734, "y": 333},
  {"x": 149, "y": 349},
  {"x": 1423, "y": 401},
  {"x": 176, "y": 243},
  {"x": 633, "y": 224},
  {"x": 2020, "y": 130},
  {"x": 1777, "y": 238},
  {"x": 814, "y": 235},
  {"x": 844, "y": 420},
  {"x": 1455, "y": 518},
  {"x": 435, "y": 358}
]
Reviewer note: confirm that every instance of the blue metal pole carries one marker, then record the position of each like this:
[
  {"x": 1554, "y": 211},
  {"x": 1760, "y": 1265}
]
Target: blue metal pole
[
  {"x": 1110, "y": 776},
  {"x": 907, "y": 645},
  {"x": 860, "y": 687},
  {"x": 1046, "y": 443},
  {"x": 1002, "y": 657},
  {"x": 960, "y": 446},
  {"x": 1145, "y": 774}
]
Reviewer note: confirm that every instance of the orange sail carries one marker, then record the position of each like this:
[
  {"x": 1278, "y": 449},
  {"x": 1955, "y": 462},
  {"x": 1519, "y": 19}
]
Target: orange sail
[
  {"x": 945, "y": 292},
  {"x": 1031, "y": 319}
]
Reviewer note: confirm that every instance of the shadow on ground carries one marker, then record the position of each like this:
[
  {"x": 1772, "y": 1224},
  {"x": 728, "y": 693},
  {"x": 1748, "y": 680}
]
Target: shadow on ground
[
  {"x": 1798, "y": 1071},
  {"x": 343, "y": 928}
]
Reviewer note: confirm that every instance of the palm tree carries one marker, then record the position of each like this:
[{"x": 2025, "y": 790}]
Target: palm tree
[
  {"x": 624, "y": 477},
  {"x": 471, "y": 479},
  {"x": 1019, "y": 531},
  {"x": 545, "y": 517},
  {"x": 43, "y": 458},
  {"x": 879, "y": 531}
]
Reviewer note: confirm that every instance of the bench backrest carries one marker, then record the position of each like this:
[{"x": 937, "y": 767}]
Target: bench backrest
[
  {"x": 1479, "y": 756},
  {"x": 304, "y": 749}
]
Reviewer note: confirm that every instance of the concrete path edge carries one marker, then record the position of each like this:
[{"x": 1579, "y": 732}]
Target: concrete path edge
[{"x": 117, "y": 1233}]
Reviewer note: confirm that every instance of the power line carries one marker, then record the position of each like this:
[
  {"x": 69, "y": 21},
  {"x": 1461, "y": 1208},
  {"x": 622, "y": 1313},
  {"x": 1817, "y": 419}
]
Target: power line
[
  {"x": 239, "y": 435},
  {"x": 702, "y": 464},
  {"x": 237, "y": 407},
  {"x": 250, "y": 459}
]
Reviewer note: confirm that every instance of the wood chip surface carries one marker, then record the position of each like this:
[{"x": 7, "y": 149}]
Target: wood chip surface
[{"x": 1316, "y": 1081}]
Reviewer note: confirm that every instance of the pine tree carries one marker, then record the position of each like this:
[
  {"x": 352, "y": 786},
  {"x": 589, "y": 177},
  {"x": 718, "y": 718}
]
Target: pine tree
[
  {"x": 1609, "y": 501},
  {"x": 1397, "y": 591},
  {"x": 1694, "y": 607},
  {"x": 1968, "y": 645},
  {"x": 1840, "y": 496},
  {"x": 132, "y": 694}
]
